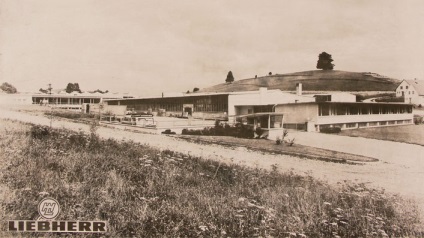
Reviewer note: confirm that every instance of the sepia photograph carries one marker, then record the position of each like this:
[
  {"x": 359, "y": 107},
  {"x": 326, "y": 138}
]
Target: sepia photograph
[{"x": 217, "y": 118}]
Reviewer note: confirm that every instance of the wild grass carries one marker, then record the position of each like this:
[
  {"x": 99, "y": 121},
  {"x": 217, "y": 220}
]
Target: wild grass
[{"x": 145, "y": 192}]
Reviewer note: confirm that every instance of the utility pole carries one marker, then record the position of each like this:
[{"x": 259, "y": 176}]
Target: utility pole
[
  {"x": 51, "y": 107},
  {"x": 50, "y": 88}
]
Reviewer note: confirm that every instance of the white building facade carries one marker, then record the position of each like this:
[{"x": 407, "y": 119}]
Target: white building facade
[{"x": 412, "y": 91}]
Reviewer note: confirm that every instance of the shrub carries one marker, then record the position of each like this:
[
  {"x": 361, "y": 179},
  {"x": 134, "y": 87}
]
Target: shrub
[
  {"x": 331, "y": 130},
  {"x": 39, "y": 132},
  {"x": 278, "y": 141},
  {"x": 239, "y": 130},
  {"x": 418, "y": 120}
]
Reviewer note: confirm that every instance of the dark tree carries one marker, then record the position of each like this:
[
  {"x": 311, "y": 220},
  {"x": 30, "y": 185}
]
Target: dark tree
[
  {"x": 195, "y": 90},
  {"x": 230, "y": 77},
  {"x": 44, "y": 90},
  {"x": 324, "y": 61},
  {"x": 8, "y": 88},
  {"x": 73, "y": 87}
]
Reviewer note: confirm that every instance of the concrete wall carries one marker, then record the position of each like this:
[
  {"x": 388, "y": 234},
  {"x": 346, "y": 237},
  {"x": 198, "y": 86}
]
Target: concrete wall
[
  {"x": 298, "y": 113},
  {"x": 15, "y": 99},
  {"x": 243, "y": 110},
  {"x": 343, "y": 97},
  {"x": 261, "y": 97}
]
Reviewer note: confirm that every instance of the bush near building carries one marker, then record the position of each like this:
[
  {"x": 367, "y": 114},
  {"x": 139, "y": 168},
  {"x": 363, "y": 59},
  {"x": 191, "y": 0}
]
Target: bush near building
[
  {"x": 238, "y": 130},
  {"x": 418, "y": 120},
  {"x": 331, "y": 130}
]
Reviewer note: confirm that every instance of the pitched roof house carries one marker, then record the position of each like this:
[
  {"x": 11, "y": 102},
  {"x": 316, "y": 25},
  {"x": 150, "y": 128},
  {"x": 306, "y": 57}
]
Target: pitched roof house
[{"x": 412, "y": 91}]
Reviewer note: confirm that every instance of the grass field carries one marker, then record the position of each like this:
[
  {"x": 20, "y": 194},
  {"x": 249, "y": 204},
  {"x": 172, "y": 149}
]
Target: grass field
[
  {"x": 145, "y": 192},
  {"x": 413, "y": 134}
]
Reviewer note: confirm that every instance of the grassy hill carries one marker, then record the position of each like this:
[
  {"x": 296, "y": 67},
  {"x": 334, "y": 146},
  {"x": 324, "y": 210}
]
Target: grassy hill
[{"x": 315, "y": 80}]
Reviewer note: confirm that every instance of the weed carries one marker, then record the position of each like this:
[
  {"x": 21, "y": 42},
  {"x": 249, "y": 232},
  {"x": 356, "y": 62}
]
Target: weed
[{"x": 144, "y": 192}]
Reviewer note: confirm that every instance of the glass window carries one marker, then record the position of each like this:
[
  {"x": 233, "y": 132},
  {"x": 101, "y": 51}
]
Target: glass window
[
  {"x": 350, "y": 125},
  {"x": 373, "y": 123},
  {"x": 340, "y": 110},
  {"x": 324, "y": 110}
]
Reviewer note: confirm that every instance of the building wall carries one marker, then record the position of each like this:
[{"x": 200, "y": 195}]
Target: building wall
[
  {"x": 15, "y": 99},
  {"x": 343, "y": 97},
  {"x": 239, "y": 104},
  {"x": 298, "y": 113}
]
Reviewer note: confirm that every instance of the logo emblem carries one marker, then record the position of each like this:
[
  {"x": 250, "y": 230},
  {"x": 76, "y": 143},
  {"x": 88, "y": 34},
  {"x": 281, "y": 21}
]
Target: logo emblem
[{"x": 48, "y": 208}]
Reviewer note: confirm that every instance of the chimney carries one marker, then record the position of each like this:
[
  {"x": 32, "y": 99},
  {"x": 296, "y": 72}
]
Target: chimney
[{"x": 299, "y": 89}]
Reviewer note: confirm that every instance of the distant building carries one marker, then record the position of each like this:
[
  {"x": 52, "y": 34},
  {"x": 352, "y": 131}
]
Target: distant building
[
  {"x": 74, "y": 100},
  {"x": 412, "y": 91}
]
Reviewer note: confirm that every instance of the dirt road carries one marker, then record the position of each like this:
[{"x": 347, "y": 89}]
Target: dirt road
[{"x": 400, "y": 168}]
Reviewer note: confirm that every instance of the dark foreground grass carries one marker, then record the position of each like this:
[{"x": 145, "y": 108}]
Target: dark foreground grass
[{"x": 144, "y": 192}]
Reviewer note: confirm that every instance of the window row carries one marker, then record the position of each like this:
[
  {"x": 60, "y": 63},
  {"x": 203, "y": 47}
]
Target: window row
[{"x": 337, "y": 109}]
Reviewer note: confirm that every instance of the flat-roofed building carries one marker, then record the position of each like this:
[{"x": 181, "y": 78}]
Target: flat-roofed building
[
  {"x": 274, "y": 110},
  {"x": 74, "y": 100},
  {"x": 346, "y": 115}
]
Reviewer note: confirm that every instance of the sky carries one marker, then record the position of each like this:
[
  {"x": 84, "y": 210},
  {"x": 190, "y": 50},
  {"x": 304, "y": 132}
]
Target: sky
[{"x": 149, "y": 47}]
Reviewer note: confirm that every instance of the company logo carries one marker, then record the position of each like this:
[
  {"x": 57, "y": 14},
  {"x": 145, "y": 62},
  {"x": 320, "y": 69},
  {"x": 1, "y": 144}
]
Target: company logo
[{"x": 48, "y": 208}]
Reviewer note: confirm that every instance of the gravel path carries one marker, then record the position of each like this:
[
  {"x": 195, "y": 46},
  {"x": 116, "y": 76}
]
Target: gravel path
[{"x": 400, "y": 168}]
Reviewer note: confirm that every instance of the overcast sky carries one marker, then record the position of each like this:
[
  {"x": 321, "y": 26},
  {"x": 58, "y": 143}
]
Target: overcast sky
[{"x": 149, "y": 47}]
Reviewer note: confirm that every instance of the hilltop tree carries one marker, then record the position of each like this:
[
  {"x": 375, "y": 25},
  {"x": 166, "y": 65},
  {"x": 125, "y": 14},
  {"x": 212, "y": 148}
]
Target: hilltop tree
[
  {"x": 324, "y": 61},
  {"x": 195, "y": 90},
  {"x": 8, "y": 88},
  {"x": 230, "y": 77},
  {"x": 73, "y": 87}
]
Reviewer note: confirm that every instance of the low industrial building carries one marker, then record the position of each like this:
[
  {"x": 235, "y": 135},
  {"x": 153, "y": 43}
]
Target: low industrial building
[
  {"x": 346, "y": 115},
  {"x": 74, "y": 100},
  {"x": 222, "y": 106},
  {"x": 274, "y": 110}
]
